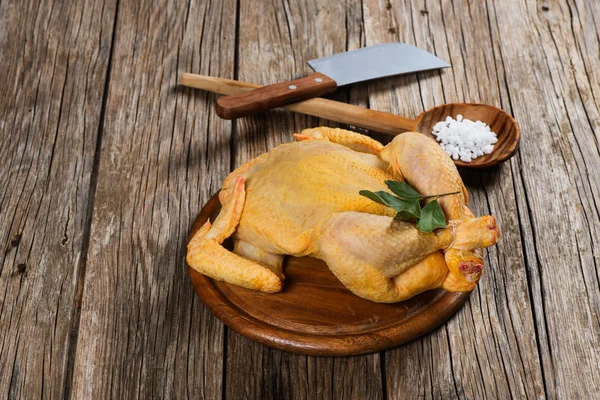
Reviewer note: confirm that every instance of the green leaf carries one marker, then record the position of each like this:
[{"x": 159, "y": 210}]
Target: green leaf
[
  {"x": 411, "y": 207},
  {"x": 408, "y": 209},
  {"x": 370, "y": 195},
  {"x": 403, "y": 190},
  {"x": 405, "y": 216},
  {"x": 432, "y": 217},
  {"x": 383, "y": 198}
]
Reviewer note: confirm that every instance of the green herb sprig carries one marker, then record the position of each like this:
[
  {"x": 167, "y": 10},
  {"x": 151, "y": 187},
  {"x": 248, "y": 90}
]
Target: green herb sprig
[{"x": 407, "y": 205}]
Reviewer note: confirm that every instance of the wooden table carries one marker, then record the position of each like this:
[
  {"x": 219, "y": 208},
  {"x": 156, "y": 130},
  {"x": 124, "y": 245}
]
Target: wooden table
[{"x": 105, "y": 162}]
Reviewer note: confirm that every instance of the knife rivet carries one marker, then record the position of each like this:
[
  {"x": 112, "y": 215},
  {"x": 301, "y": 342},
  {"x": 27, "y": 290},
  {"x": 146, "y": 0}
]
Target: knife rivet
[
  {"x": 318, "y": 80},
  {"x": 292, "y": 87}
]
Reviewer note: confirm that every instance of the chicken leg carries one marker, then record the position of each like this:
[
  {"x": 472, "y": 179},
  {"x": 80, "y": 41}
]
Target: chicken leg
[
  {"x": 370, "y": 254},
  {"x": 424, "y": 165},
  {"x": 207, "y": 256}
]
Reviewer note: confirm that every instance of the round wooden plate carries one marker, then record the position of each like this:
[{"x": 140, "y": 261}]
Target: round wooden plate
[{"x": 315, "y": 314}]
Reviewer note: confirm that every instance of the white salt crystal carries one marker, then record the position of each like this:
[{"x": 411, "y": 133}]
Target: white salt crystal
[{"x": 463, "y": 138}]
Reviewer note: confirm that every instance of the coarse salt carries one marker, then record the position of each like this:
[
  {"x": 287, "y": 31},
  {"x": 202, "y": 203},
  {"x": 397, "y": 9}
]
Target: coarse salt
[{"x": 463, "y": 138}]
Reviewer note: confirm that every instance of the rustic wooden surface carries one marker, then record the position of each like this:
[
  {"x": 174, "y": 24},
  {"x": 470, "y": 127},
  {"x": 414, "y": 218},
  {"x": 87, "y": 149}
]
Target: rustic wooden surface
[{"x": 105, "y": 162}]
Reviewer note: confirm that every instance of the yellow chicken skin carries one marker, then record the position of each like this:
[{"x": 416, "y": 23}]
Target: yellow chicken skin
[{"x": 302, "y": 199}]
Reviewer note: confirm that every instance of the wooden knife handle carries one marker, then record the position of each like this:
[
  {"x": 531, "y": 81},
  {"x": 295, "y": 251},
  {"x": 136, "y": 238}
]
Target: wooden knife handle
[
  {"x": 273, "y": 96},
  {"x": 377, "y": 121}
]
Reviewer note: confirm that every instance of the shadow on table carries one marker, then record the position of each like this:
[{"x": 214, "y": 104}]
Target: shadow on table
[{"x": 480, "y": 177}]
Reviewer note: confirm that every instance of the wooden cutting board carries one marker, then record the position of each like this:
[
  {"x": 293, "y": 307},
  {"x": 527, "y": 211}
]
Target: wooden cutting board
[{"x": 315, "y": 314}]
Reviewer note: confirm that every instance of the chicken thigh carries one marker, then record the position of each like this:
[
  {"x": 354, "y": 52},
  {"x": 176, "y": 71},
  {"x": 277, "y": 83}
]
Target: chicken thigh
[{"x": 302, "y": 199}]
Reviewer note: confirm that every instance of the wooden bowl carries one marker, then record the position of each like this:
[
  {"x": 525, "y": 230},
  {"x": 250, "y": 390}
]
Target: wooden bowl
[
  {"x": 315, "y": 314},
  {"x": 500, "y": 122}
]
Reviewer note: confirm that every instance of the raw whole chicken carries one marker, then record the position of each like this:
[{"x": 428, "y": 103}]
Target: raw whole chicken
[{"x": 302, "y": 199}]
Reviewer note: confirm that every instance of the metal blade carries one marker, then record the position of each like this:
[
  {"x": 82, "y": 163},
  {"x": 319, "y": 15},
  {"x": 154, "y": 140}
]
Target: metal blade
[{"x": 377, "y": 61}]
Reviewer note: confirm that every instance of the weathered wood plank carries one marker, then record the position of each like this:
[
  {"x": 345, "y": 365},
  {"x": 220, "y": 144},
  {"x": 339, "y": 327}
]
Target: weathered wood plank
[
  {"x": 143, "y": 332},
  {"x": 489, "y": 350},
  {"x": 558, "y": 192},
  {"x": 532, "y": 328},
  {"x": 286, "y": 35},
  {"x": 51, "y": 91}
]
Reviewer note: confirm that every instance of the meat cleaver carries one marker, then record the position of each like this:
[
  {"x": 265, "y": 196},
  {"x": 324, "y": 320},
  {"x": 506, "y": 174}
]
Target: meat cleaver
[{"x": 330, "y": 72}]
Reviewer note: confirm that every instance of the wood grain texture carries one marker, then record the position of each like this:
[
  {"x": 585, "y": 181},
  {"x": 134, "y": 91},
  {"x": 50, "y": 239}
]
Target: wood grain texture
[
  {"x": 275, "y": 95},
  {"x": 51, "y": 93},
  {"x": 560, "y": 107},
  {"x": 143, "y": 333},
  {"x": 489, "y": 350},
  {"x": 530, "y": 330},
  {"x": 507, "y": 340},
  {"x": 331, "y": 110},
  {"x": 500, "y": 122},
  {"x": 288, "y": 34}
]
